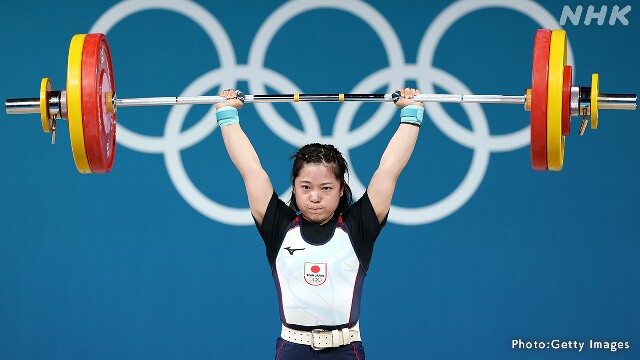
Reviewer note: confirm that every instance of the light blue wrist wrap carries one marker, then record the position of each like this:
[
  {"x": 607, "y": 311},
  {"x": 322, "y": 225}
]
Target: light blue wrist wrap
[
  {"x": 412, "y": 114},
  {"x": 227, "y": 115}
]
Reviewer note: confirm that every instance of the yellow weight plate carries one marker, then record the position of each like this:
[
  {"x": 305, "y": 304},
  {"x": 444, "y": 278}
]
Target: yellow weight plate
[
  {"x": 45, "y": 91},
  {"x": 557, "y": 61},
  {"x": 594, "y": 101},
  {"x": 74, "y": 103}
]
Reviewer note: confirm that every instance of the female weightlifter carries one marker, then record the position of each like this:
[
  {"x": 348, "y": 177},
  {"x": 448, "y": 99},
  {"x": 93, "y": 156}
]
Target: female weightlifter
[{"x": 320, "y": 245}]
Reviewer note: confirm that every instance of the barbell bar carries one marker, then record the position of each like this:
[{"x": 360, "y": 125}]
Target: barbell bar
[
  {"x": 90, "y": 104},
  {"x": 605, "y": 101}
]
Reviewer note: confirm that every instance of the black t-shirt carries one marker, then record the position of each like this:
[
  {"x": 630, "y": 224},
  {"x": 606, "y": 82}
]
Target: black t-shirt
[{"x": 360, "y": 218}]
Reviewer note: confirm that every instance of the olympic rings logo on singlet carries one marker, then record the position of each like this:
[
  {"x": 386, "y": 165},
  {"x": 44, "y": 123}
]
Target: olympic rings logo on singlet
[{"x": 315, "y": 274}]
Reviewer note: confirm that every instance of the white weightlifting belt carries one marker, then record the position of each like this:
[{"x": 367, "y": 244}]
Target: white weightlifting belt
[{"x": 321, "y": 339}]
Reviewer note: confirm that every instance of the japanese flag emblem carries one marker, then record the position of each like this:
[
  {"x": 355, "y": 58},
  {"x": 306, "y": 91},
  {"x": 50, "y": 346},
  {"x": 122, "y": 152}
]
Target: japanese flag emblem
[{"x": 315, "y": 274}]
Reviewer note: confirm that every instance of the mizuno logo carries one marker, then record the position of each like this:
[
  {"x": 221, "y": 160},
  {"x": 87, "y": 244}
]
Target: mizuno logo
[{"x": 290, "y": 250}]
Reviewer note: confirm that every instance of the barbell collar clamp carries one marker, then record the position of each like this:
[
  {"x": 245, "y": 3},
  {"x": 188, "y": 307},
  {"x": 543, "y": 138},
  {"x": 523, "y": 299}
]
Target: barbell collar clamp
[
  {"x": 110, "y": 102},
  {"x": 574, "y": 101}
]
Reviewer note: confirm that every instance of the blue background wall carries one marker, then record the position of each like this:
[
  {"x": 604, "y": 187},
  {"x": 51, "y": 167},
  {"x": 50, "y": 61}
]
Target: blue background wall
[{"x": 133, "y": 265}]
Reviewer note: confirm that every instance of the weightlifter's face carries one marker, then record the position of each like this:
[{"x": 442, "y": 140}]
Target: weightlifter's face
[{"x": 317, "y": 192}]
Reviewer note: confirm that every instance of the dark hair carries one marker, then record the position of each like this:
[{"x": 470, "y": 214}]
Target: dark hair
[{"x": 322, "y": 154}]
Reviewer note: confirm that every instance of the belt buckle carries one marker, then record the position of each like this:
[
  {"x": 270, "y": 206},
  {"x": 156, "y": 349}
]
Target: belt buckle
[{"x": 313, "y": 333}]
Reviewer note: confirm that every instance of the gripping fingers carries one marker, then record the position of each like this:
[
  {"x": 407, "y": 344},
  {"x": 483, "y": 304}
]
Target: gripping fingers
[
  {"x": 235, "y": 98},
  {"x": 408, "y": 93},
  {"x": 406, "y": 96},
  {"x": 229, "y": 94}
]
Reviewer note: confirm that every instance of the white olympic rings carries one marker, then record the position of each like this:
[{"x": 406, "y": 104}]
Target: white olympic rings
[{"x": 394, "y": 76}]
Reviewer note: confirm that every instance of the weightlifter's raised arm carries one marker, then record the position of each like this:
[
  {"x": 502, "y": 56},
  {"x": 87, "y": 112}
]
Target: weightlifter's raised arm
[
  {"x": 397, "y": 153},
  {"x": 243, "y": 155}
]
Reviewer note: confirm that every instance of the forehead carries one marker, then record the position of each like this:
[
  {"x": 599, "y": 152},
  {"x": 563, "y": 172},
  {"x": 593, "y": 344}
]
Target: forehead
[{"x": 317, "y": 173}]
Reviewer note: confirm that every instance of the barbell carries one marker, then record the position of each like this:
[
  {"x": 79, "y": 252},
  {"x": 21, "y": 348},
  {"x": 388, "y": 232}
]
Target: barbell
[{"x": 89, "y": 102}]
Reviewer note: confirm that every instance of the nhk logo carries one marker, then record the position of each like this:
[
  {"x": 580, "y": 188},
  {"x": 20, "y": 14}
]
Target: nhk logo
[{"x": 616, "y": 14}]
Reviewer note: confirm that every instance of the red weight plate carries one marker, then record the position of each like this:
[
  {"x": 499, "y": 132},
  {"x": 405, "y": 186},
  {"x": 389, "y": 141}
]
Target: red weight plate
[
  {"x": 99, "y": 126},
  {"x": 566, "y": 101},
  {"x": 539, "y": 76}
]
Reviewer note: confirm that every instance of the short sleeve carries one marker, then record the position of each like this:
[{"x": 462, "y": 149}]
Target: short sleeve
[
  {"x": 363, "y": 226},
  {"x": 274, "y": 226}
]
